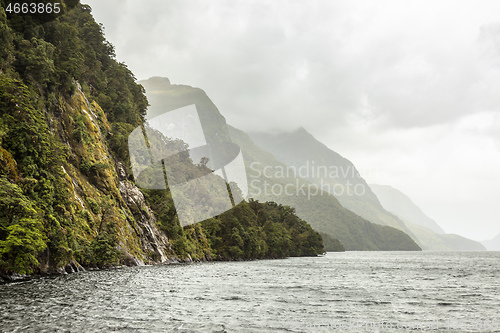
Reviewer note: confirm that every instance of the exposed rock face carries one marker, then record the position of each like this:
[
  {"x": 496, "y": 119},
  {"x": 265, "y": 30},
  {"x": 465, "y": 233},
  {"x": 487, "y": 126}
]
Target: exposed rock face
[
  {"x": 102, "y": 192},
  {"x": 153, "y": 241},
  {"x": 132, "y": 195},
  {"x": 130, "y": 260},
  {"x": 120, "y": 169},
  {"x": 73, "y": 267}
]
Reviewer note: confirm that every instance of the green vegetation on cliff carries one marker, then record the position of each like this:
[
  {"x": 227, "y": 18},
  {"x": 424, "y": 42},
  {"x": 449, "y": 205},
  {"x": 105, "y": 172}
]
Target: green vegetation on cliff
[
  {"x": 59, "y": 196},
  {"x": 67, "y": 107},
  {"x": 251, "y": 230}
]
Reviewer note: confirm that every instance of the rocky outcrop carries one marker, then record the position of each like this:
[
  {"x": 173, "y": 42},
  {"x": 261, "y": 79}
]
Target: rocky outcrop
[
  {"x": 153, "y": 241},
  {"x": 73, "y": 267}
]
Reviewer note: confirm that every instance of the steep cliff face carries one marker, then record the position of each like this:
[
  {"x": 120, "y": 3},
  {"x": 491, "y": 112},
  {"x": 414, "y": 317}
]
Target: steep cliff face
[
  {"x": 66, "y": 200},
  {"x": 100, "y": 217},
  {"x": 99, "y": 186}
]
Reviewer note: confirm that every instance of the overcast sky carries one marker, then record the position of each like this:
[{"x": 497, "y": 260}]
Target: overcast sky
[{"x": 407, "y": 90}]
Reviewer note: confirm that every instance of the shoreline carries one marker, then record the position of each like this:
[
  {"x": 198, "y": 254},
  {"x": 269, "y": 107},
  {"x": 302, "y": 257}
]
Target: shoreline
[{"x": 70, "y": 268}]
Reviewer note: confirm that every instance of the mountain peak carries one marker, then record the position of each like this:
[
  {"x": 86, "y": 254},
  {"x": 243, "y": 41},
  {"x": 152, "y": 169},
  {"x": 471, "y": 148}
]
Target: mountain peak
[
  {"x": 301, "y": 129},
  {"x": 302, "y": 133},
  {"x": 158, "y": 82}
]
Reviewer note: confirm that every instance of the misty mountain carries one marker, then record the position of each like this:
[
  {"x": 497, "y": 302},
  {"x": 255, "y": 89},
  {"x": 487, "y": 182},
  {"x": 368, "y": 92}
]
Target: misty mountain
[
  {"x": 401, "y": 205},
  {"x": 432, "y": 241},
  {"x": 313, "y": 160},
  {"x": 429, "y": 233},
  {"x": 321, "y": 209},
  {"x": 333, "y": 173},
  {"x": 492, "y": 244}
]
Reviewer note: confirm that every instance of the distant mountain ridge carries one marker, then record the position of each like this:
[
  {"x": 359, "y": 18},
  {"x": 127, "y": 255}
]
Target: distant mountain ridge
[
  {"x": 401, "y": 205},
  {"x": 428, "y": 232},
  {"x": 492, "y": 244},
  {"x": 322, "y": 210},
  {"x": 330, "y": 171},
  {"x": 335, "y": 174}
]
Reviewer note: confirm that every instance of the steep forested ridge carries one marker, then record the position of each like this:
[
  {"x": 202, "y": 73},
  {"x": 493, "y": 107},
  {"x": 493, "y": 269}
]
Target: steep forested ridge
[
  {"x": 321, "y": 209},
  {"x": 67, "y": 197},
  {"x": 328, "y": 169}
]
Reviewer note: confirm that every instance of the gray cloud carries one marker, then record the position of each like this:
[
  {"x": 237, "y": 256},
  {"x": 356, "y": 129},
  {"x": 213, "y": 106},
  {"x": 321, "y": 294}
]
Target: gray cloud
[{"x": 261, "y": 60}]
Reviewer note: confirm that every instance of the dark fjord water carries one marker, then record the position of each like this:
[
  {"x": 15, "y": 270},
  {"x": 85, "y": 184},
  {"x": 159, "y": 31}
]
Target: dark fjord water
[{"x": 339, "y": 292}]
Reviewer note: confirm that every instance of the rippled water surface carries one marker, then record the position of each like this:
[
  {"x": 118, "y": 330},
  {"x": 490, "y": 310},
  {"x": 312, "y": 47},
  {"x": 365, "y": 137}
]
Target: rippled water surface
[{"x": 339, "y": 292}]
